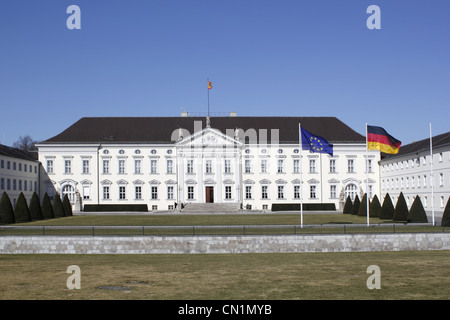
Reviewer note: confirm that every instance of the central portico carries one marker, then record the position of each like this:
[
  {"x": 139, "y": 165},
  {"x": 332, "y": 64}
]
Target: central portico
[{"x": 209, "y": 168}]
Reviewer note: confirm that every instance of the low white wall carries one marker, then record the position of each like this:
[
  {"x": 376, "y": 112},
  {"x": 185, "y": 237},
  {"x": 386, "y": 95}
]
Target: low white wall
[{"x": 222, "y": 244}]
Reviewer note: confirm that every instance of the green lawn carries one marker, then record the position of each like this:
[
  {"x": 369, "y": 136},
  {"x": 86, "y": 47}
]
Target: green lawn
[
  {"x": 202, "y": 220},
  {"x": 404, "y": 275}
]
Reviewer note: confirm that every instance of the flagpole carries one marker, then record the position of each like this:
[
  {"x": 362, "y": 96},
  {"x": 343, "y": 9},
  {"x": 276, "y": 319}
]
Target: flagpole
[
  {"x": 301, "y": 180},
  {"x": 367, "y": 174},
  {"x": 432, "y": 177},
  {"x": 207, "y": 88}
]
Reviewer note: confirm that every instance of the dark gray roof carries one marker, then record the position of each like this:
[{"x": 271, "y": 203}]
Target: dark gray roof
[
  {"x": 441, "y": 140},
  {"x": 17, "y": 153},
  {"x": 160, "y": 129}
]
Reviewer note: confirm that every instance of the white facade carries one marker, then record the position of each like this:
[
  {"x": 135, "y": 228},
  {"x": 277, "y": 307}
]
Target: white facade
[
  {"x": 418, "y": 174},
  {"x": 208, "y": 166},
  {"x": 17, "y": 176}
]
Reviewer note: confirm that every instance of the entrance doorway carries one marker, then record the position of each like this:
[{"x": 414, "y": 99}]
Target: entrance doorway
[{"x": 209, "y": 194}]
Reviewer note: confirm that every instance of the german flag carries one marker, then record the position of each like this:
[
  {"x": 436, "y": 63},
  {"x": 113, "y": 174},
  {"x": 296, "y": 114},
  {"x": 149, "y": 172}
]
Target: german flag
[{"x": 379, "y": 139}]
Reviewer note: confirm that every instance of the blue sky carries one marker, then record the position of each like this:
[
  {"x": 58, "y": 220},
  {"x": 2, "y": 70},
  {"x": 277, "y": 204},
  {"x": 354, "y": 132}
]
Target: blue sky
[{"x": 264, "y": 58}]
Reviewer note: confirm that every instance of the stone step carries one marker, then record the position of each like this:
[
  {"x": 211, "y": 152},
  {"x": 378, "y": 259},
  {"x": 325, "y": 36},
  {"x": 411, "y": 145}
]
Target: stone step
[{"x": 211, "y": 207}]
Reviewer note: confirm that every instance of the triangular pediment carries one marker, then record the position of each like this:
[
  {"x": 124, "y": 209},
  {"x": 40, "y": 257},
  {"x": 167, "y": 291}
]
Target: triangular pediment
[{"x": 208, "y": 137}]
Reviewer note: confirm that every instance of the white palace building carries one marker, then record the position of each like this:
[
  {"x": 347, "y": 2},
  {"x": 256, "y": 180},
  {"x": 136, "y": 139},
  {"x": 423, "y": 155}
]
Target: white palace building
[{"x": 168, "y": 163}]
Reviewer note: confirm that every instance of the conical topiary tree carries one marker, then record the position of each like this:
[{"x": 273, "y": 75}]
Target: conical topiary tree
[
  {"x": 58, "y": 209},
  {"x": 6, "y": 210},
  {"x": 446, "y": 215},
  {"x": 362, "y": 211},
  {"x": 401, "y": 209},
  {"x": 356, "y": 204},
  {"x": 387, "y": 209},
  {"x": 21, "y": 211},
  {"x": 417, "y": 213},
  {"x": 47, "y": 208},
  {"x": 348, "y": 206},
  {"x": 35, "y": 208},
  {"x": 375, "y": 208},
  {"x": 67, "y": 206}
]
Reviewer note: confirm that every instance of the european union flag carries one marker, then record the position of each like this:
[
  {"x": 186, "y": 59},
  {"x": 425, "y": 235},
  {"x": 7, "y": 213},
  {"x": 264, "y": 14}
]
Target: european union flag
[{"x": 315, "y": 143}]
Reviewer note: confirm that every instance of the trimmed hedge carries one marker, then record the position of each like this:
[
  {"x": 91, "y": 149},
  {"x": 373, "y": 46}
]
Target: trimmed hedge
[
  {"x": 362, "y": 211},
  {"x": 67, "y": 206},
  {"x": 58, "y": 209},
  {"x": 401, "y": 209},
  {"x": 35, "y": 208},
  {"x": 348, "y": 206},
  {"x": 375, "y": 208},
  {"x": 47, "y": 208},
  {"x": 356, "y": 204},
  {"x": 446, "y": 215},
  {"x": 6, "y": 210},
  {"x": 306, "y": 207},
  {"x": 114, "y": 207},
  {"x": 417, "y": 213},
  {"x": 387, "y": 209},
  {"x": 21, "y": 211}
]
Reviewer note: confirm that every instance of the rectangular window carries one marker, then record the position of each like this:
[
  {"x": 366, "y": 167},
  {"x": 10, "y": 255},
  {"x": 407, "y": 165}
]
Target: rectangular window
[
  {"x": 14, "y": 184},
  {"x": 264, "y": 193},
  {"x": 208, "y": 168},
  {"x": 280, "y": 192},
  {"x": 122, "y": 194},
  {"x": 190, "y": 193},
  {"x": 369, "y": 165},
  {"x": 2, "y": 184},
  {"x": 312, "y": 192},
  {"x": 296, "y": 192},
  {"x": 296, "y": 165},
  {"x": 8, "y": 165},
  {"x": 20, "y": 185},
  {"x": 106, "y": 166},
  {"x": 170, "y": 192},
  {"x": 190, "y": 166},
  {"x": 248, "y": 166},
  {"x": 169, "y": 166},
  {"x": 333, "y": 194},
  {"x": 227, "y": 166},
  {"x": 280, "y": 168},
  {"x": 67, "y": 166},
  {"x": 154, "y": 193},
  {"x": 350, "y": 168},
  {"x": 312, "y": 166},
  {"x": 8, "y": 184},
  {"x": 2, "y": 164},
  {"x": 20, "y": 167},
  {"x": 137, "y": 167},
  {"x": 85, "y": 166},
  {"x": 153, "y": 166},
  {"x": 121, "y": 166},
  {"x": 248, "y": 192},
  {"x": 332, "y": 165},
  {"x": 441, "y": 179},
  {"x": 49, "y": 166},
  {"x": 86, "y": 192},
  {"x": 138, "y": 192},
  {"x": 105, "y": 192},
  {"x": 228, "y": 192},
  {"x": 264, "y": 166},
  {"x": 25, "y": 167}
]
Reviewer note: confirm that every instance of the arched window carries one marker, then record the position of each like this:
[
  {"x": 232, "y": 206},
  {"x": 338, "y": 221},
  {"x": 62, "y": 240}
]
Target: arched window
[
  {"x": 351, "y": 190},
  {"x": 70, "y": 191}
]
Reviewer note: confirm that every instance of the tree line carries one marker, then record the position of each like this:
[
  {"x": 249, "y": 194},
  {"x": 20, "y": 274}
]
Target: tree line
[
  {"x": 387, "y": 211},
  {"x": 22, "y": 212}
]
